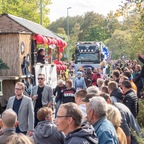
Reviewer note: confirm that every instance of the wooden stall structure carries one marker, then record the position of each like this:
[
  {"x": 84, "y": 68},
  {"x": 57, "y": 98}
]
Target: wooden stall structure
[{"x": 16, "y": 43}]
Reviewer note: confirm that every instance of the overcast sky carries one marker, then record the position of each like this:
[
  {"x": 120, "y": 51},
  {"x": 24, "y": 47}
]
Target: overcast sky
[{"x": 79, "y": 7}]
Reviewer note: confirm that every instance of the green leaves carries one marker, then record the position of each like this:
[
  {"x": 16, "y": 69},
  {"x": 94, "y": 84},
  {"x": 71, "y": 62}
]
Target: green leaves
[{"x": 28, "y": 9}]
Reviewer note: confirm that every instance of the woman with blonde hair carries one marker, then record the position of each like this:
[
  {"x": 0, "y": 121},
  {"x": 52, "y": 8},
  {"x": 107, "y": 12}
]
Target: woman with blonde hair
[
  {"x": 19, "y": 139},
  {"x": 114, "y": 116}
]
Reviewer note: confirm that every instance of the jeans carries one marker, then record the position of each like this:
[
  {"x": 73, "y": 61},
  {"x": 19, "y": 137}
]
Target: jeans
[{"x": 57, "y": 107}]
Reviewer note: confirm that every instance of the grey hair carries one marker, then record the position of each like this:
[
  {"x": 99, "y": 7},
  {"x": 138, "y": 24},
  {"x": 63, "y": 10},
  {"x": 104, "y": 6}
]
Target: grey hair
[
  {"x": 9, "y": 118},
  {"x": 99, "y": 105},
  {"x": 93, "y": 89},
  {"x": 60, "y": 81}
]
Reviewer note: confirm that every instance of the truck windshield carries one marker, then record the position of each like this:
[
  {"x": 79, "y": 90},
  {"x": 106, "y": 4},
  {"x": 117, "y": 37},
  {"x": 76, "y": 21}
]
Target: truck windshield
[{"x": 87, "y": 57}]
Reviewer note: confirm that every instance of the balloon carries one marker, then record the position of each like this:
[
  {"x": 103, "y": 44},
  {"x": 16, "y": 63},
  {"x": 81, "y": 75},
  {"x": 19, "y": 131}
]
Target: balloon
[
  {"x": 56, "y": 61},
  {"x": 45, "y": 40},
  {"x": 57, "y": 67},
  {"x": 65, "y": 44},
  {"x": 54, "y": 42},
  {"x": 39, "y": 39},
  {"x": 61, "y": 49},
  {"x": 49, "y": 41},
  {"x": 60, "y": 55}
]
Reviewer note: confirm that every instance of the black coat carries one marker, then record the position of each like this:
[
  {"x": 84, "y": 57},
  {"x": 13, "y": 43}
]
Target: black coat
[{"x": 142, "y": 71}]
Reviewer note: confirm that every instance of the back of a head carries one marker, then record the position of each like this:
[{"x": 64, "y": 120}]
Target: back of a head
[
  {"x": 127, "y": 74},
  {"x": 106, "y": 96},
  {"x": 100, "y": 82},
  {"x": 113, "y": 114},
  {"x": 93, "y": 89},
  {"x": 126, "y": 84},
  {"x": 73, "y": 111},
  {"x": 112, "y": 85},
  {"x": 116, "y": 73},
  {"x": 60, "y": 81},
  {"x": 43, "y": 113},
  {"x": 19, "y": 139},
  {"x": 9, "y": 118},
  {"x": 81, "y": 93},
  {"x": 99, "y": 105}
]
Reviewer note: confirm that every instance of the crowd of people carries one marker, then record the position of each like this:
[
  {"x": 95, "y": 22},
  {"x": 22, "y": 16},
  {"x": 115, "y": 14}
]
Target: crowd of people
[{"x": 91, "y": 108}]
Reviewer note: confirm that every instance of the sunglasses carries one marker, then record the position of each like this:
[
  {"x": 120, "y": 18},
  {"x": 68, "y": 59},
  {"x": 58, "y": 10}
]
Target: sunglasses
[
  {"x": 18, "y": 89},
  {"x": 40, "y": 78}
]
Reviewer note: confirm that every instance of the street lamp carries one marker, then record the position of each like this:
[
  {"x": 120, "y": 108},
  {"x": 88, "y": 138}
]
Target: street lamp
[{"x": 68, "y": 44}]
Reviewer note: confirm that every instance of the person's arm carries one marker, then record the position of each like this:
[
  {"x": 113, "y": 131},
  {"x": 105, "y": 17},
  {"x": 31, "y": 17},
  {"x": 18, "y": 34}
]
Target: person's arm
[
  {"x": 30, "y": 118},
  {"x": 50, "y": 97},
  {"x": 141, "y": 58}
]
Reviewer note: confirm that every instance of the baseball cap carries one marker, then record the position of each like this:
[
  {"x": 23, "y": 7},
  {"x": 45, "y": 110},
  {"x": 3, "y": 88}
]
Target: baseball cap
[{"x": 88, "y": 97}]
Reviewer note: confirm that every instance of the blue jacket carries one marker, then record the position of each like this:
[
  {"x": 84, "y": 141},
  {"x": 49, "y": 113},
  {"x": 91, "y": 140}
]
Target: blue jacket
[
  {"x": 105, "y": 132},
  {"x": 79, "y": 83}
]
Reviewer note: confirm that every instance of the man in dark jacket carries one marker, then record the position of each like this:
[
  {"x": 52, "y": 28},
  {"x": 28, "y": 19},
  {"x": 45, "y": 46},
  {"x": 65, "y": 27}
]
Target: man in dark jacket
[
  {"x": 68, "y": 120},
  {"x": 128, "y": 123},
  {"x": 9, "y": 122},
  {"x": 130, "y": 97},
  {"x": 58, "y": 93},
  {"x": 141, "y": 58},
  {"x": 115, "y": 92},
  {"x": 46, "y": 132}
]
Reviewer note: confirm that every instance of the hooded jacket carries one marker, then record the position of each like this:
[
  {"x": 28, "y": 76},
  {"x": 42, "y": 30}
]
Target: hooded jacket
[
  {"x": 81, "y": 136},
  {"x": 47, "y": 133},
  {"x": 116, "y": 95}
]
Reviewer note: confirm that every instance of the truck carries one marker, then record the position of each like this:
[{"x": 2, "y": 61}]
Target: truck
[{"x": 88, "y": 54}]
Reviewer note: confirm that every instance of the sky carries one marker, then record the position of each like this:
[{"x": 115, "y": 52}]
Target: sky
[{"x": 80, "y": 7}]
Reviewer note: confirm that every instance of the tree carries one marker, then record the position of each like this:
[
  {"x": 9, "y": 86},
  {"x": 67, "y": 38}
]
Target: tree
[
  {"x": 28, "y": 9},
  {"x": 119, "y": 44}
]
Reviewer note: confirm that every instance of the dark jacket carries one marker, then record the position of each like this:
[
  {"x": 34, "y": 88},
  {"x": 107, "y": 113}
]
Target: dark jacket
[
  {"x": 47, "y": 133},
  {"x": 137, "y": 80},
  {"x": 58, "y": 92},
  {"x": 129, "y": 123},
  {"x": 81, "y": 136},
  {"x": 131, "y": 101},
  {"x": 117, "y": 93},
  {"x": 142, "y": 71},
  {"x": 6, "y": 133}
]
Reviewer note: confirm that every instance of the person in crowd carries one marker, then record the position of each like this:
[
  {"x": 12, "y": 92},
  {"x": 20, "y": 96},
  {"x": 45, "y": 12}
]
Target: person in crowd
[
  {"x": 42, "y": 95},
  {"x": 69, "y": 120},
  {"x": 79, "y": 82},
  {"x": 122, "y": 78},
  {"x": 41, "y": 56},
  {"x": 68, "y": 93},
  {"x": 19, "y": 139},
  {"x": 100, "y": 82},
  {"x": 96, "y": 115},
  {"x": 9, "y": 122},
  {"x": 113, "y": 115},
  {"x": 88, "y": 76},
  {"x": 137, "y": 80},
  {"x": 24, "y": 109},
  {"x": 46, "y": 131},
  {"x": 130, "y": 97},
  {"x": 129, "y": 124},
  {"x": 115, "y": 75},
  {"x": 104, "y": 89},
  {"x": 141, "y": 58},
  {"x": 58, "y": 93},
  {"x": 95, "y": 76},
  {"x": 82, "y": 105},
  {"x": 115, "y": 92},
  {"x": 128, "y": 74},
  {"x": 93, "y": 89}
]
